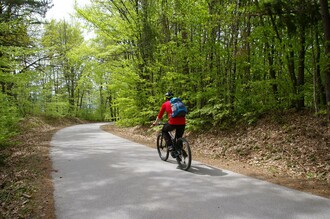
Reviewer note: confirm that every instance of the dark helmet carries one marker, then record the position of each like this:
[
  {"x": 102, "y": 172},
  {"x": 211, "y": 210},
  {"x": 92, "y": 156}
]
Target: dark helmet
[{"x": 169, "y": 95}]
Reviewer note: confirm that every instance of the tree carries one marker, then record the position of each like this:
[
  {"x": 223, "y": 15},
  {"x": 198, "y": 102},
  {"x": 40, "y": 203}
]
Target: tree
[
  {"x": 17, "y": 57},
  {"x": 14, "y": 31},
  {"x": 60, "y": 40}
]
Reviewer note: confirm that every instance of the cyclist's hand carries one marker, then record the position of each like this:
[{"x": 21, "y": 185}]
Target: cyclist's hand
[{"x": 155, "y": 122}]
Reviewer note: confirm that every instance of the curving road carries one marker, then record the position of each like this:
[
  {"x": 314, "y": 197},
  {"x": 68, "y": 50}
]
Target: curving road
[{"x": 99, "y": 175}]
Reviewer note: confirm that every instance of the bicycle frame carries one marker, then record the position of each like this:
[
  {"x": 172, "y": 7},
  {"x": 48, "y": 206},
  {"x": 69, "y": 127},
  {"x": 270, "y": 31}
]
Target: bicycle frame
[
  {"x": 174, "y": 140},
  {"x": 172, "y": 134}
]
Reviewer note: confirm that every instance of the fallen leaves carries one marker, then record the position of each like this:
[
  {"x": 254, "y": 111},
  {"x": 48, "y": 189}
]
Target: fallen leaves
[{"x": 25, "y": 187}]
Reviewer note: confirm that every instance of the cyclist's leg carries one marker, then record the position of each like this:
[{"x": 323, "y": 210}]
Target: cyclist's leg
[
  {"x": 179, "y": 131},
  {"x": 167, "y": 128}
]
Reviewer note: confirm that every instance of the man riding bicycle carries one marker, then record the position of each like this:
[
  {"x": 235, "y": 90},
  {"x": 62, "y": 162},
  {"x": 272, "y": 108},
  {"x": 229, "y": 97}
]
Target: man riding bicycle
[{"x": 174, "y": 123}]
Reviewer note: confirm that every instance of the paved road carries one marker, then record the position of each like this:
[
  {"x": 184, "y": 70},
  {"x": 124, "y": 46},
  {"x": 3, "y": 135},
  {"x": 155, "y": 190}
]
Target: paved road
[{"x": 98, "y": 175}]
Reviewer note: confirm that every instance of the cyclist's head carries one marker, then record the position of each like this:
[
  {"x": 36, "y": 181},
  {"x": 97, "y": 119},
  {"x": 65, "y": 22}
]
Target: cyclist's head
[{"x": 169, "y": 95}]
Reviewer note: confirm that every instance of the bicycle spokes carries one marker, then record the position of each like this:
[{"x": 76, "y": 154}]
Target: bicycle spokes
[
  {"x": 184, "y": 159},
  {"x": 162, "y": 148},
  {"x": 184, "y": 153}
]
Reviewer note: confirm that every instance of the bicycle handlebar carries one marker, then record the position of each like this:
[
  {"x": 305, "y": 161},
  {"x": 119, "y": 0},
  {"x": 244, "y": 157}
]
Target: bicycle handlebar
[{"x": 159, "y": 123}]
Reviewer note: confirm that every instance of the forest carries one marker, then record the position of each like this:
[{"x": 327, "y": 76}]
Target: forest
[{"x": 229, "y": 60}]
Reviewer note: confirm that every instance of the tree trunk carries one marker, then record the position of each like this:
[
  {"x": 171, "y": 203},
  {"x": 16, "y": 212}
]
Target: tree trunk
[
  {"x": 272, "y": 71},
  {"x": 319, "y": 92},
  {"x": 301, "y": 71},
  {"x": 291, "y": 68},
  {"x": 326, "y": 25},
  {"x": 233, "y": 69}
]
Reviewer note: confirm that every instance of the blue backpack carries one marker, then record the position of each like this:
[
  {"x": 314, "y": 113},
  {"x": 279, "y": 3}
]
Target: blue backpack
[{"x": 178, "y": 108}]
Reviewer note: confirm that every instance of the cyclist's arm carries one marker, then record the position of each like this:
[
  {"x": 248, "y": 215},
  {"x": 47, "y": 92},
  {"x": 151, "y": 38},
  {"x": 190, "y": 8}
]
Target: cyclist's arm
[{"x": 160, "y": 114}]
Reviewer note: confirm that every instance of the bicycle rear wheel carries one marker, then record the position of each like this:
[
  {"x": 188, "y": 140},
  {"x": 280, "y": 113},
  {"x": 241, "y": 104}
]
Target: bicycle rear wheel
[
  {"x": 184, "y": 157},
  {"x": 162, "y": 147}
]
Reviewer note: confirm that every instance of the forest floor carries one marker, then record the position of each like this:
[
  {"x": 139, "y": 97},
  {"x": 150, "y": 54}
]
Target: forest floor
[{"x": 291, "y": 150}]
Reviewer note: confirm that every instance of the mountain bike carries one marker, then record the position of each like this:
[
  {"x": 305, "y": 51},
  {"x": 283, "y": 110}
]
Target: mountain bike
[{"x": 181, "y": 150}]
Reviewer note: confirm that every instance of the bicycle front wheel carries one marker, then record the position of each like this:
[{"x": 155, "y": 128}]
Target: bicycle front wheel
[
  {"x": 162, "y": 147},
  {"x": 184, "y": 157}
]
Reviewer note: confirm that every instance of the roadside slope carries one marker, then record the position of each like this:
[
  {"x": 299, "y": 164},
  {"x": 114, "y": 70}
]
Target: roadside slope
[{"x": 25, "y": 170}]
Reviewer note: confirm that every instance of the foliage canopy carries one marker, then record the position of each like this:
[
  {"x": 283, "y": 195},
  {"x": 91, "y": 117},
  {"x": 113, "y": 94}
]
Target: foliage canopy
[{"x": 228, "y": 60}]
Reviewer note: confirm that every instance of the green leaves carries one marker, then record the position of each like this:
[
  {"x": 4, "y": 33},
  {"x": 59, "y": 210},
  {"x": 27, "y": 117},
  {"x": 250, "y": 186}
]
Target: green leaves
[
  {"x": 229, "y": 60},
  {"x": 9, "y": 117},
  {"x": 208, "y": 52}
]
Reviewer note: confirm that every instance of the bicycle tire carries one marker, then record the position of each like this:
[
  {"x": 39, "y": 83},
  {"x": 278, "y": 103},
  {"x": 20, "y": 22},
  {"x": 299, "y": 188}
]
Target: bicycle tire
[
  {"x": 184, "y": 157},
  {"x": 162, "y": 148}
]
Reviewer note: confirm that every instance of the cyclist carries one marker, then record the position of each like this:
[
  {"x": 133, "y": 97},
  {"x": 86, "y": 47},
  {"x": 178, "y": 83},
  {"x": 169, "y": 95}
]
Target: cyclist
[{"x": 174, "y": 123}]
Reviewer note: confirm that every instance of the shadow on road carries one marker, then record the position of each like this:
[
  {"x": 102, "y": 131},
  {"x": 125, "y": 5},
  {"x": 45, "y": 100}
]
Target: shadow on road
[{"x": 201, "y": 169}]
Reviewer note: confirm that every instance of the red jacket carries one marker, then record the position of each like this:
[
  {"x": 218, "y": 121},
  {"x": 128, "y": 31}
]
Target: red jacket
[{"x": 166, "y": 107}]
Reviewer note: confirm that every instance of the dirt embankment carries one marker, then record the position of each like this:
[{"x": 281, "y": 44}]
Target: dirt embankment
[{"x": 26, "y": 189}]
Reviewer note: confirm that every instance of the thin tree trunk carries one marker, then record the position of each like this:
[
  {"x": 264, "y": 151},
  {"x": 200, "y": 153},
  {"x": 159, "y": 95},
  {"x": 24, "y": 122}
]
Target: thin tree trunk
[
  {"x": 272, "y": 71},
  {"x": 326, "y": 26},
  {"x": 301, "y": 71},
  {"x": 291, "y": 68},
  {"x": 316, "y": 78}
]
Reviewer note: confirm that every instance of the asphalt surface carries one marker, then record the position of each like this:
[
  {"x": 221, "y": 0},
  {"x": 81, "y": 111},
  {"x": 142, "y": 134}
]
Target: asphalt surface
[{"x": 99, "y": 175}]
